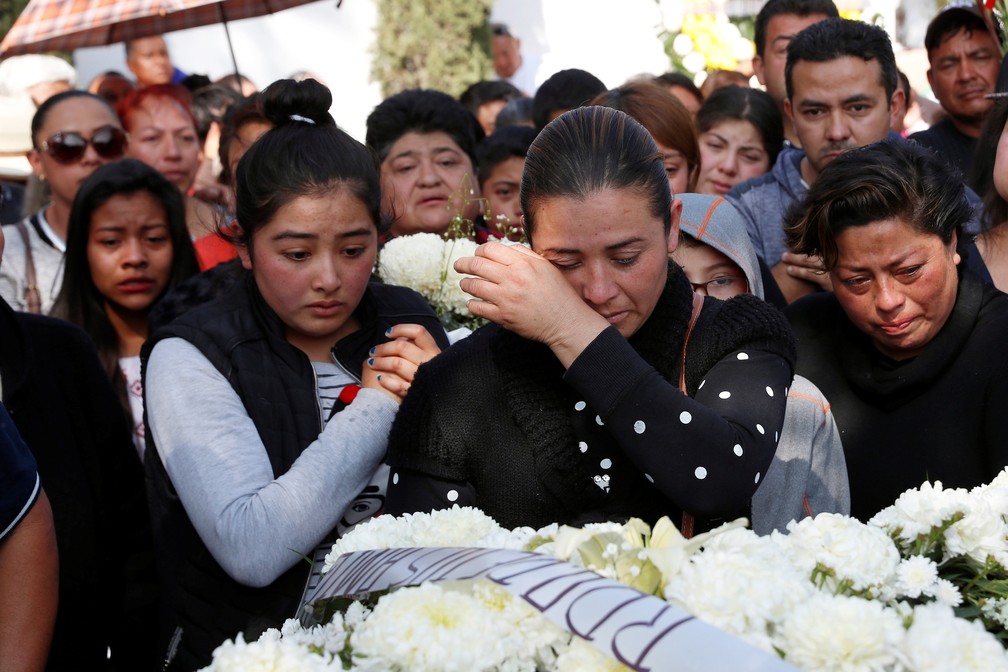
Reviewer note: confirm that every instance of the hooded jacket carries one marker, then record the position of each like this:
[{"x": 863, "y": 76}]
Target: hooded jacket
[
  {"x": 808, "y": 474},
  {"x": 764, "y": 201}
]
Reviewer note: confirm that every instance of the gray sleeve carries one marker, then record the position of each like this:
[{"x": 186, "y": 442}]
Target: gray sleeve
[
  {"x": 254, "y": 524},
  {"x": 12, "y": 269},
  {"x": 742, "y": 204},
  {"x": 808, "y": 469}
]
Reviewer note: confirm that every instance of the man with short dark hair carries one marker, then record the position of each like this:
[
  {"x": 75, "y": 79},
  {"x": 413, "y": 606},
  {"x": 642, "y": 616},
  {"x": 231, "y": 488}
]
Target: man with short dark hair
[
  {"x": 964, "y": 60},
  {"x": 776, "y": 25},
  {"x": 841, "y": 85}
]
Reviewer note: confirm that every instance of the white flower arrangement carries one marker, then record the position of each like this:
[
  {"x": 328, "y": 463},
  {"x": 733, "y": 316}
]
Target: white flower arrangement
[
  {"x": 921, "y": 587},
  {"x": 425, "y": 262}
]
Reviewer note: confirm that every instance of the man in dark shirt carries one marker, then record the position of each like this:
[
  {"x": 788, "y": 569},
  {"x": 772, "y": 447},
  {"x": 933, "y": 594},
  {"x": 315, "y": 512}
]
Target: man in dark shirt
[{"x": 964, "y": 59}]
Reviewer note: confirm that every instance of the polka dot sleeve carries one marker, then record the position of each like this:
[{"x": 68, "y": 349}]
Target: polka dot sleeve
[
  {"x": 411, "y": 491},
  {"x": 707, "y": 454}
]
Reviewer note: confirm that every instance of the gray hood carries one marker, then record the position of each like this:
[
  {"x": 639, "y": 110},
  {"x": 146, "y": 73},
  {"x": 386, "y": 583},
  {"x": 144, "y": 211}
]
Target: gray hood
[{"x": 714, "y": 221}]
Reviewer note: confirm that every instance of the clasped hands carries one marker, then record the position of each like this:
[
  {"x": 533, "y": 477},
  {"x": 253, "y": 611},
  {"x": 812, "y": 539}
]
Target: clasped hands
[{"x": 391, "y": 366}]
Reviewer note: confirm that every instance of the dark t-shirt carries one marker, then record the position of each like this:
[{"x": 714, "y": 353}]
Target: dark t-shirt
[{"x": 949, "y": 143}]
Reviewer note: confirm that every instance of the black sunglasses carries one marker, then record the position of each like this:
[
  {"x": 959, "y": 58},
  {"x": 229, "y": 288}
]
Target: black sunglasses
[{"x": 109, "y": 142}]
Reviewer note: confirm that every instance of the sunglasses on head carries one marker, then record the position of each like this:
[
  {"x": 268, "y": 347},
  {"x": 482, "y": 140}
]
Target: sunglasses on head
[{"x": 109, "y": 142}]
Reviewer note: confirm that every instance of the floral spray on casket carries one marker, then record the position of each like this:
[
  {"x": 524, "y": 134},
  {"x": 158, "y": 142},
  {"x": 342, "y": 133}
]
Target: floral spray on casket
[{"x": 425, "y": 262}]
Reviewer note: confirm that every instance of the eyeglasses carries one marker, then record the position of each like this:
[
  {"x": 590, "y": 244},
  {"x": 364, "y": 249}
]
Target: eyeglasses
[
  {"x": 109, "y": 142},
  {"x": 722, "y": 287}
]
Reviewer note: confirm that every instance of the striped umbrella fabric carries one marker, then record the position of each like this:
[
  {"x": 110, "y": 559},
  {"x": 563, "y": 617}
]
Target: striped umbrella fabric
[{"x": 65, "y": 25}]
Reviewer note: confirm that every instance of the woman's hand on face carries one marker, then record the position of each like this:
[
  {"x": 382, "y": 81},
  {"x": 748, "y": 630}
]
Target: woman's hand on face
[
  {"x": 521, "y": 290},
  {"x": 392, "y": 365},
  {"x": 809, "y": 269}
]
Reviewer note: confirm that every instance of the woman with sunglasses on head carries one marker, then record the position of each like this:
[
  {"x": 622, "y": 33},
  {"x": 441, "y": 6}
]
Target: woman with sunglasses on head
[
  {"x": 128, "y": 245},
  {"x": 269, "y": 407},
  {"x": 73, "y": 133}
]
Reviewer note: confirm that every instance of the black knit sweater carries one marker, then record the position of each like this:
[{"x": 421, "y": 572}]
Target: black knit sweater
[{"x": 938, "y": 416}]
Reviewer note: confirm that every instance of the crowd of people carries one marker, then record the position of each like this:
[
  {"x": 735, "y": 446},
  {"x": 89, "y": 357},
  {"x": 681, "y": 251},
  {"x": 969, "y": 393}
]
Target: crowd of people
[{"x": 729, "y": 302}]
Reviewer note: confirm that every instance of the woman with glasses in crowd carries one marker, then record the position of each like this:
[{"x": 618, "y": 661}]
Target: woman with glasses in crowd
[{"x": 73, "y": 133}]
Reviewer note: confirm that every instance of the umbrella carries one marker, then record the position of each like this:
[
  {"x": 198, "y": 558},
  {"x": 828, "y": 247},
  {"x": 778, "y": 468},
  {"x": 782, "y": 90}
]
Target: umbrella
[{"x": 65, "y": 25}]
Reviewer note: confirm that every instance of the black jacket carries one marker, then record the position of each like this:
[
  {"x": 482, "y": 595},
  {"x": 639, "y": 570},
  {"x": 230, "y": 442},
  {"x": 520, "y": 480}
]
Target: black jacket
[
  {"x": 67, "y": 411},
  {"x": 244, "y": 340},
  {"x": 938, "y": 416}
]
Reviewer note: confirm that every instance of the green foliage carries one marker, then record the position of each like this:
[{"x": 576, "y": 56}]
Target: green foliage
[
  {"x": 9, "y": 11},
  {"x": 432, "y": 44}
]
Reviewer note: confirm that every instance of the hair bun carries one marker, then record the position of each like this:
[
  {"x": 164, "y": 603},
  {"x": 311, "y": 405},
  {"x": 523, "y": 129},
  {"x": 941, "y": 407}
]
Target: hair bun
[{"x": 286, "y": 102}]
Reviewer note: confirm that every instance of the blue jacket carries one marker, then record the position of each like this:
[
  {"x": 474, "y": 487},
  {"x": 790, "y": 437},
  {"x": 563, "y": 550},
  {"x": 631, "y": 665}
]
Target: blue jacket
[{"x": 764, "y": 201}]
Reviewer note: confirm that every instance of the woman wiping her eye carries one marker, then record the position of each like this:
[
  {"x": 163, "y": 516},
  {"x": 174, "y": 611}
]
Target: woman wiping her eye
[{"x": 607, "y": 388}]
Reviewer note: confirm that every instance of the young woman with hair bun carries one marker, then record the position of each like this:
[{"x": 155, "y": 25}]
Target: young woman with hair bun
[{"x": 269, "y": 408}]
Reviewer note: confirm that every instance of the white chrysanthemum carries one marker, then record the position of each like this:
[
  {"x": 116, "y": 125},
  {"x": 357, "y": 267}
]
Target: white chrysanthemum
[
  {"x": 938, "y": 641},
  {"x": 452, "y": 298},
  {"x": 836, "y": 632},
  {"x": 860, "y": 553},
  {"x": 535, "y": 637},
  {"x": 581, "y": 656},
  {"x": 271, "y": 653},
  {"x": 425, "y": 262},
  {"x": 415, "y": 261},
  {"x": 428, "y": 628},
  {"x": 947, "y": 593},
  {"x": 917, "y": 511},
  {"x": 916, "y": 576},
  {"x": 744, "y": 591},
  {"x": 981, "y": 533},
  {"x": 997, "y": 610},
  {"x": 457, "y": 526}
]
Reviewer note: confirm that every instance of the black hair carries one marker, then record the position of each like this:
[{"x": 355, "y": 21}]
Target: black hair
[
  {"x": 488, "y": 91},
  {"x": 680, "y": 80},
  {"x": 516, "y": 112},
  {"x": 234, "y": 82},
  {"x": 953, "y": 19},
  {"x": 422, "y": 111},
  {"x": 981, "y": 177},
  {"x": 662, "y": 114},
  {"x": 79, "y": 301},
  {"x": 501, "y": 145},
  {"x": 590, "y": 149},
  {"x": 838, "y": 38},
  {"x": 904, "y": 83},
  {"x": 891, "y": 179},
  {"x": 209, "y": 105},
  {"x": 39, "y": 118},
  {"x": 796, "y": 7},
  {"x": 196, "y": 82},
  {"x": 500, "y": 30},
  {"x": 305, "y": 154},
  {"x": 744, "y": 104},
  {"x": 245, "y": 111},
  {"x": 564, "y": 91}
]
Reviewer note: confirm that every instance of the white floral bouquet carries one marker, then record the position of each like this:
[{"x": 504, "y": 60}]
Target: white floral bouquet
[
  {"x": 920, "y": 587},
  {"x": 425, "y": 262}
]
